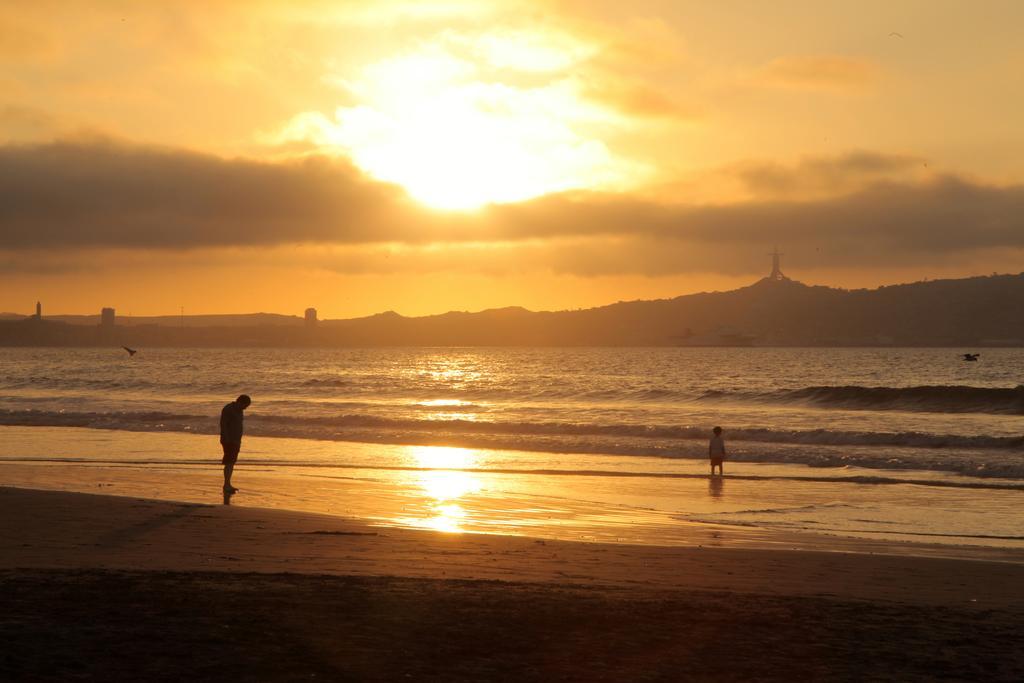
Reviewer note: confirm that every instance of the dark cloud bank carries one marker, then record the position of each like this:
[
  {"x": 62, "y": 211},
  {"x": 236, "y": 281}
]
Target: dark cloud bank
[{"x": 97, "y": 194}]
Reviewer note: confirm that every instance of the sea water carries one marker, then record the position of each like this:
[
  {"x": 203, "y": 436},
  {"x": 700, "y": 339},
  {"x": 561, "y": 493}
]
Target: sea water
[{"x": 914, "y": 444}]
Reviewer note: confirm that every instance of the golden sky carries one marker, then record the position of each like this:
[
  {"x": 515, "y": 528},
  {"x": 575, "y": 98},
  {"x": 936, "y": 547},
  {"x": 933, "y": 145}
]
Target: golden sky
[{"x": 230, "y": 156}]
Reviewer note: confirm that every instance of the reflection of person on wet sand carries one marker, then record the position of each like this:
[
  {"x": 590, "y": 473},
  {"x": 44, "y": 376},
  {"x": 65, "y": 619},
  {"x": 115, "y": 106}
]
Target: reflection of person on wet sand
[
  {"x": 716, "y": 486},
  {"x": 716, "y": 451},
  {"x": 231, "y": 420}
]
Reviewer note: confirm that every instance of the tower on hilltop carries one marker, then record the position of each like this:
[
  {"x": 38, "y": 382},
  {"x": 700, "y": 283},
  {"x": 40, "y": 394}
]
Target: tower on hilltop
[{"x": 776, "y": 273}]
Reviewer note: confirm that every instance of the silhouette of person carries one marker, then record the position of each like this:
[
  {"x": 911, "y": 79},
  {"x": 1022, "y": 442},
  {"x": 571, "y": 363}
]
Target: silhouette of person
[
  {"x": 231, "y": 419},
  {"x": 716, "y": 451}
]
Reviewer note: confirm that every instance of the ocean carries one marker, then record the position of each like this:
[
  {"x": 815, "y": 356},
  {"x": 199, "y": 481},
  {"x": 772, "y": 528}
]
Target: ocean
[{"x": 880, "y": 442}]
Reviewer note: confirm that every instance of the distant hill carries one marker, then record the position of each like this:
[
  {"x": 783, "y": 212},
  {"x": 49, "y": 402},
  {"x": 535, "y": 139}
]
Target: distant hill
[
  {"x": 977, "y": 311},
  {"x": 980, "y": 310}
]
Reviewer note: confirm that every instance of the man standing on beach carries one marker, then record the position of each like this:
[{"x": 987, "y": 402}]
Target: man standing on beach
[
  {"x": 231, "y": 419},
  {"x": 716, "y": 451}
]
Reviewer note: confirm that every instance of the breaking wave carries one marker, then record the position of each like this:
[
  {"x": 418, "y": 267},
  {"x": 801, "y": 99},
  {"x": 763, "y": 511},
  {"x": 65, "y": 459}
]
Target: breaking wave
[
  {"x": 978, "y": 456},
  {"x": 937, "y": 399},
  {"x": 321, "y": 427}
]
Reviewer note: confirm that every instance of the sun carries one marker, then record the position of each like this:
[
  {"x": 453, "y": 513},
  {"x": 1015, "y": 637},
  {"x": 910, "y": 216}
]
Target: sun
[{"x": 461, "y": 123}]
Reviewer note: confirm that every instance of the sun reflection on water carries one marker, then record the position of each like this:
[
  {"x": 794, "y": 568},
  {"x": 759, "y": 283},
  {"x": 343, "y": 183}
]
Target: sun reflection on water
[
  {"x": 449, "y": 409},
  {"x": 443, "y": 402},
  {"x": 444, "y": 483}
]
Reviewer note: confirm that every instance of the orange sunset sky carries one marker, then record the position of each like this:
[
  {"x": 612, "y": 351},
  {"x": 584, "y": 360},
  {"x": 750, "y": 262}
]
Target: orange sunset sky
[{"x": 429, "y": 156}]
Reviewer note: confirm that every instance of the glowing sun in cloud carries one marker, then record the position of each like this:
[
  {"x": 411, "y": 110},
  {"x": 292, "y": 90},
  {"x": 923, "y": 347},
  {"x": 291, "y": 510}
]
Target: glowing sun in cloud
[{"x": 465, "y": 121}]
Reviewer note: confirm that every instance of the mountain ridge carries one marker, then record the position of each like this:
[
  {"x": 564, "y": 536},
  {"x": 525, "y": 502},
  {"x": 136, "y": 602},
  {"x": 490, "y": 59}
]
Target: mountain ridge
[{"x": 977, "y": 310}]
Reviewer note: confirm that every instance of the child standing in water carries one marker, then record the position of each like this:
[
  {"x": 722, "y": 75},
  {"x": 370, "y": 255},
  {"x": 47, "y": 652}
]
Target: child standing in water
[{"x": 716, "y": 451}]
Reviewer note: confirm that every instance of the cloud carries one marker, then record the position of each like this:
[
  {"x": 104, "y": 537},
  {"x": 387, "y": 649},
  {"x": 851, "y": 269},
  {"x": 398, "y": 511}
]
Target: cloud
[
  {"x": 101, "y": 193},
  {"x": 43, "y": 263},
  {"x": 826, "y": 176},
  {"x": 884, "y": 223},
  {"x": 817, "y": 72},
  {"x": 93, "y": 194},
  {"x": 638, "y": 99}
]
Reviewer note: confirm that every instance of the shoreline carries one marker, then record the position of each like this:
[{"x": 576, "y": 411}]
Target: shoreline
[
  {"x": 875, "y": 477},
  {"x": 665, "y": 462},
  {"x": 670, "y": 448}
]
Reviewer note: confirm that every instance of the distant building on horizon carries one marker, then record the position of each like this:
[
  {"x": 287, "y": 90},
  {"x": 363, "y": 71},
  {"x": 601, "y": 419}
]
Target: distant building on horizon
[
  {"x": 107, "y": 317},
  {"x": 310, "y": 317}
]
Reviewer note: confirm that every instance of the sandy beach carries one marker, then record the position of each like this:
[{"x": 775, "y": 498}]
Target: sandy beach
[{"x": 102, "y": 586}]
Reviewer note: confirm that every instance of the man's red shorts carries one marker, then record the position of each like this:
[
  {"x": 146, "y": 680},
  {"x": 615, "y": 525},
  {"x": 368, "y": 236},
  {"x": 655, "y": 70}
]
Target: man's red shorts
[{"x": 230, "y": 453}]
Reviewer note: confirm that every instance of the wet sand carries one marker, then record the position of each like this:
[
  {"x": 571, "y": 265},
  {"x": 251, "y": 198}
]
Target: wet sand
[
  {"x": 114, "y": 588},
  {"x": 609, "y": 509}
]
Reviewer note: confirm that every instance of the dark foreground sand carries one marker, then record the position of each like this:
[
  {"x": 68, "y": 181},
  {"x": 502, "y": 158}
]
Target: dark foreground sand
[{"x": 103, "y": 588}]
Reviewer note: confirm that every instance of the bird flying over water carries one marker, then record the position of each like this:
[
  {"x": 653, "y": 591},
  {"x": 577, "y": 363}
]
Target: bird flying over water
[
  {"x": 897, "y": 35},
  {"x": 971, "y": 356},
  {"x": 131, "y": 352}
]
